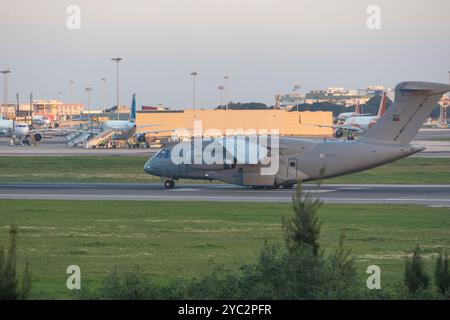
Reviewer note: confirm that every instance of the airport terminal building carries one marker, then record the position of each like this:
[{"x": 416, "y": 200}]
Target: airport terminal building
[{"x": 295, "y": 124}]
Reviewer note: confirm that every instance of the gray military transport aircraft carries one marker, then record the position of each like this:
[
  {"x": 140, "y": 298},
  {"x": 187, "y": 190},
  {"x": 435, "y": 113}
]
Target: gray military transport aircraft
[{"x": 305, "y": 159}]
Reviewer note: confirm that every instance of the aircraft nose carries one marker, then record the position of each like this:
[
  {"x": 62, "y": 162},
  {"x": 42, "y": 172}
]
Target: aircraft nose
[
  {"x": 22, "y": 132},
  {"x": 149, "y": 167}
]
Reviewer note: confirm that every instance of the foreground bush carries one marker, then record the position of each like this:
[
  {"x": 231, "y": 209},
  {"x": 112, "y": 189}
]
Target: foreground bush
[
  {"x": 9, "y": 285},
  {"x": 299, "y": 270}
]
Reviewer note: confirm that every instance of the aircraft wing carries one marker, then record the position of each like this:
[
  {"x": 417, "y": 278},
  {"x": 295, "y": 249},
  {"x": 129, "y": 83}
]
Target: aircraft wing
[
  {"x": 348, "y": 128},
  {"x": 245, "y": 150},
  {"x": 53, "y": 131},
  {"x": 155, "y": 131},
  {"x": 148, "y": 126}
]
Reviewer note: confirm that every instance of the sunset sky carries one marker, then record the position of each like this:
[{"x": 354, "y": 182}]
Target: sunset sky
[{"x": 264, "y": 46}]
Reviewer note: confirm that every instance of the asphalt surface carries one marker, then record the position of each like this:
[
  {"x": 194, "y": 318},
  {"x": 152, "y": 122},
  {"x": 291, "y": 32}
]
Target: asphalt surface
[{"x": 431, "y": 195}]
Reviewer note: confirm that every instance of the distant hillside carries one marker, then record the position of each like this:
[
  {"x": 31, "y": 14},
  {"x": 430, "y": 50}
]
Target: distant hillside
[
  {"x": 245, "y": 106},
  {"x": 370, "y": 107}
]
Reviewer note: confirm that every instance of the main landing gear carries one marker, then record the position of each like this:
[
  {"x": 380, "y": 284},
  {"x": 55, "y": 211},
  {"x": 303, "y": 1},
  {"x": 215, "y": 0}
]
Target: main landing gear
[{"x": 169, "y": 184}]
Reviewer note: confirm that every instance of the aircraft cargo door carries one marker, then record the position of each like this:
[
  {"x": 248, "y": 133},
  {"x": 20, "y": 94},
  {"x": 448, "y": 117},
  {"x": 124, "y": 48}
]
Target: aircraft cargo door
[{"x": 291, "y": 169}]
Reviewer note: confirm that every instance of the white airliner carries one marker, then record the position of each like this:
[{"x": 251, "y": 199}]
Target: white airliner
[
  {"x": 360, "y": 124},
  {"x": 41, "y": 120},
  {"x": 10, "y": 128},
  {"x": 18, "y": 131},
  {"x": 116, "y": 130},
  {"x": 355, "y": 122},
  {"x": 345, "y": 115}
]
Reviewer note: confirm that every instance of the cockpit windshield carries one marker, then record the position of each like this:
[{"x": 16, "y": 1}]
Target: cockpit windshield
[{"x": 164, "y": 153}]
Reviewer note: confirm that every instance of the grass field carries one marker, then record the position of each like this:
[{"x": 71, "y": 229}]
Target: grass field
[
  {"x": 175, "y": 239},
  {"x": 130, "y": 169}
]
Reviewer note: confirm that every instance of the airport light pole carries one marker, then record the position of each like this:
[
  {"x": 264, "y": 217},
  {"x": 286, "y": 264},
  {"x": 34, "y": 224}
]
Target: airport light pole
[
  {"x": 221, "y": 89},
  {"x": 444, "y": 110},
  {"x": 57, "y": 106},
  {"x": 226, "y": 78},
  {"x": 31, "y": 108},
  {"x": 193, "y": 74},
  {"x": 5, "y": 86},
  {"x": 17, "y": 104},
  {"x": 117, "y": 60},
  {"x": 71, "y": 82},
  {"x": 103, "y": 92},
  {"x": 88, "y": 90}
]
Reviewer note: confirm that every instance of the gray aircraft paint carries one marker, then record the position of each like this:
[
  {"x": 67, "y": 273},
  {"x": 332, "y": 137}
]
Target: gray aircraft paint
[{"x": 303, "y": 159}]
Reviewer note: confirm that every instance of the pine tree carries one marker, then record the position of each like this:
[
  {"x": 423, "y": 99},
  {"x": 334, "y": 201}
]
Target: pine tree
[
  {"x": 342, "y": 259},
  {"x": 304, "y": 227},
  {"x": 9, "y": 285},
  {"x": 415, "y": 276},
  {"x": 26, "y": 282},
  {"x": 442, "y": 274}
]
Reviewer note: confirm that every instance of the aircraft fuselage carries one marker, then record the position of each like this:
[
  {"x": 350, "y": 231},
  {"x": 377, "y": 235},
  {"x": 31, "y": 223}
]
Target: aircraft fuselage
[{"x": 299, "y": 160}]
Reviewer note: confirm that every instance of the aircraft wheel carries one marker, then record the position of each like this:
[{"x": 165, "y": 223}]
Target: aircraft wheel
[
  {"x": 169, "y": 184},
  {"x": 288, "y": 186}
]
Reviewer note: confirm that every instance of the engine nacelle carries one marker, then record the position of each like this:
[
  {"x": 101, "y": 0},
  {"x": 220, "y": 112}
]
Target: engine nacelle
[
  {"x": 338, "y": 133},
  {"x": 37, "y": 137}
]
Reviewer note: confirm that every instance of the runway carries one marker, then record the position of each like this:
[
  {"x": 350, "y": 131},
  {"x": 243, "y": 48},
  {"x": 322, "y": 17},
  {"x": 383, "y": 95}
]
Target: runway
[{"x": 430, "y": 195}]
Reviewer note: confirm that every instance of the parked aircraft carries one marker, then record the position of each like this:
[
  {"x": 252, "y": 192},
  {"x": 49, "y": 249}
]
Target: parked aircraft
[
  {"x": 18, "y": 132},
  {"x": 360, "y": 124},
  {"x": 302, "y": 159},
  {"x": 41, "y": 120},
  {"x": 354, "y": 122},
  {"x": 345, "y": 115},
  {"x": 114, "y": 129}
]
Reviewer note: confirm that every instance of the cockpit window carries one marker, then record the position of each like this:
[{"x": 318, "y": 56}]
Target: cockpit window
[{"x": 165, "y": 153}]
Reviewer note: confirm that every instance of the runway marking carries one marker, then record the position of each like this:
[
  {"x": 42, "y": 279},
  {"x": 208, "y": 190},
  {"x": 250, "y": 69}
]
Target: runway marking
[
  {"x": 245, "y": 190},
  {"x": 46, "y": 186},
  {"x": 206, "y": 198}
]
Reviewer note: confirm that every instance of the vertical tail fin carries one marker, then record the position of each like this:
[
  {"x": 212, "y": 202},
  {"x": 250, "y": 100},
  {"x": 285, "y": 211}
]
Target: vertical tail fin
[
  {"x": 414, "y": 101},
  {"x": 382, "y": 108},
  {"x": 358, "y": 107},
  {"x": 133, "y": 109}
]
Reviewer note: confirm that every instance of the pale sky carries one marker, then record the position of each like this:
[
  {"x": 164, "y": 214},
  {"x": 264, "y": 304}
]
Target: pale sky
[{"x": 265, "y": 46}]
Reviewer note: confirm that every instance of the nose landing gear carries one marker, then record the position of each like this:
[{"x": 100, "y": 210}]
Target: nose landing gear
[{"x": 169, "y": 184}]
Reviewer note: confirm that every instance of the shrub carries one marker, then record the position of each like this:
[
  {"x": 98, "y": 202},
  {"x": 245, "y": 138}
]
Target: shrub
[
  {"x": 415, "y": 276},
  {"x": 304, "y": 227},
  {"x": 442, "y": 274},
  {"x": 9, "y": 285},
  {"x": 300, "y": 271}
]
